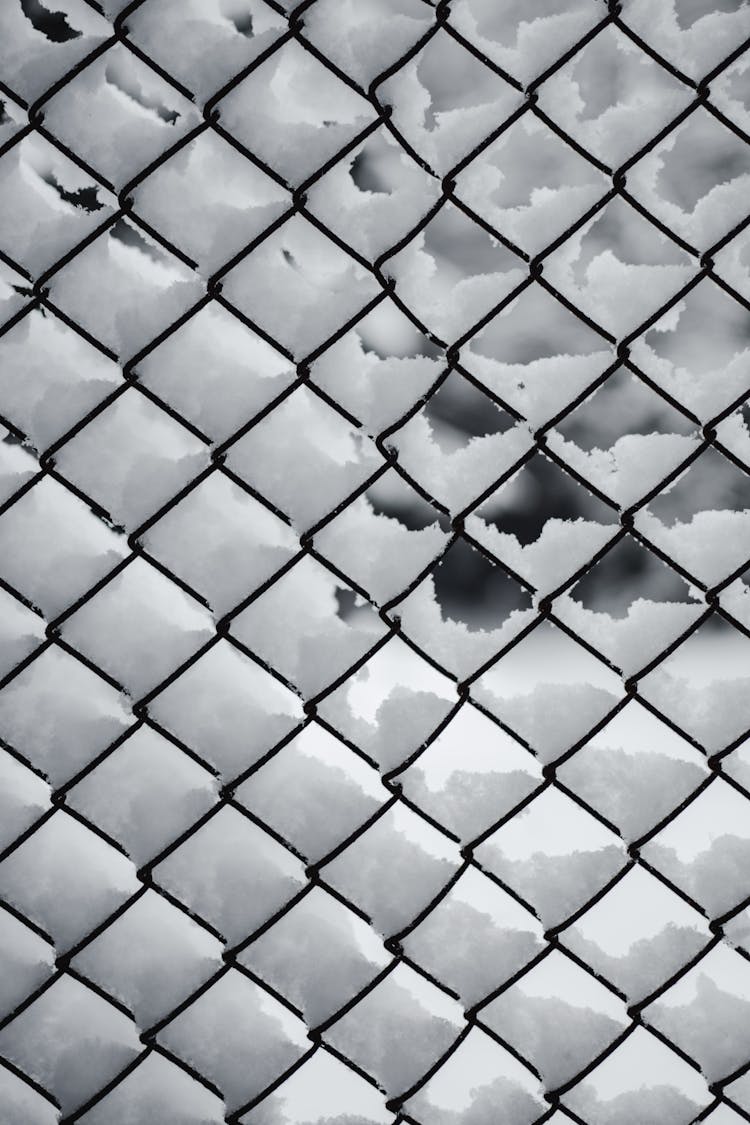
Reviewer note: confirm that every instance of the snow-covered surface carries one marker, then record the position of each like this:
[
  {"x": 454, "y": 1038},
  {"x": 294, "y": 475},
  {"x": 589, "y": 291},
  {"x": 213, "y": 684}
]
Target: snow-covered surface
[{"x": 374, "y": 562}]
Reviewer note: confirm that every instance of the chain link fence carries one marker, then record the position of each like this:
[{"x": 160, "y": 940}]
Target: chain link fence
[{"x": 326, "y": 796}]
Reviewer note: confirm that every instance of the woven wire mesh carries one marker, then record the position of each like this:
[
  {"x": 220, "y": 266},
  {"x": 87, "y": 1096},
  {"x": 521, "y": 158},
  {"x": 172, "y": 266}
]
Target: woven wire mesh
[{"x": 186, "y": 941}]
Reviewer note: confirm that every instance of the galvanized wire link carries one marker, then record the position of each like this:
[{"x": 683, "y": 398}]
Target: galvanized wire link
[{"x": 36, "y": 294}]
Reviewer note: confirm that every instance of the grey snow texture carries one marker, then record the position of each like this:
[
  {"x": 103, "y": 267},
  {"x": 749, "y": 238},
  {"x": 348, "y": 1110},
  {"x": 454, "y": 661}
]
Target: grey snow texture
[{"x": 374, "y": 562}]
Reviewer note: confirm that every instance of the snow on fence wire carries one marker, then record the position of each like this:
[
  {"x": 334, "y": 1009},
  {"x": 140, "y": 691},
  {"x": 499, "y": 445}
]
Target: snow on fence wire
[{"x": 374, "y": 698}]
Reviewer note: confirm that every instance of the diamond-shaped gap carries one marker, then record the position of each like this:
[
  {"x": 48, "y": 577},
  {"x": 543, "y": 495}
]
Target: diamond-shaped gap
[
  {"x": 161, "y": 792},
  {"x": 73, "y": 1041},
  {"x": 221, "y": 541},
  {"x": 612, "y": 98},
  {"x": 132, "y": 458},
  {"x": 151, "y": 958},
  {"x": 452, "y": 273},
  {"x": 403, "y": 1008},
  {"x": 125, "y": 288},
  {"x": 238, "y": 1036},
  {"x": 139, "y": 628},
  {"x": 473, "y": 774},
  {"x": 400, "y": 842},
  {"x": 669, "y": 1089},
  {"x": 460, "y": 443},
  {"x": 310, "y": 626},
  {"x": 465, "y": 610},
  {"x": 624, "y": 438},
  {"x": 318, "y": 930},
  {"x": 445, "y": 102},
  {"x": 161, "y": 1090},
  {"x": 32, "y": 60},
  {"x": 698, "y": 351},
  {"x": 702, "y": 687},
  {"x": 638, "y": 935},
  {"x": 85, "y": 879},
  {"x": 380, "y": 368},
  {"x": 322, "y": 1086},
  {"x": 227, "y": 709},
  {"x": 558, "y": 1017},
  {"x": 385, "y": 538},
  {"x": 480, "y": 1080},
  {"x": 705, "y": 850},
  {"x": 476, "y": 938},
  {"x": 210, "y": 201},
  {"x": 391, "y": 706},
  {"x": 373, "y": 196},
  {"x": 293, "y": 113},
  {"x": 634, "y": 771},
  {"x": 50, "y": 377},
  {"x": 543, "y": 524},
  {"x": 54, "y": 548},
  {"x": 530, "y": 185},
  {"x": 702, "y": 521},
  {"x": 231, "y": 874},
  {"x": 47, "y": 204},
  {"x": 694, "y": 36},
  {"x": 459, "y": 407},
  {"x": 554, "y": 855},
  {"x": 537, "y": 355},
  {"x": 132, "y": 114},
  {"x": 706, "y": 1012},
  {"x": 314, "y": 792},
  {"x": 304, "y": 457},
  {"x": 366, "y": 40},
  {"x": 216, "y": 371},
  {"x": 523, "y": 47},
  {"x": 619, "y": 269},
  {"x": 59, "y": 715},
  {"x": 298, "y": 286},
  {"x": 630, "y": 606},
  {"x": 696, "y": 180},
  {"x": 204, "y": 46}
]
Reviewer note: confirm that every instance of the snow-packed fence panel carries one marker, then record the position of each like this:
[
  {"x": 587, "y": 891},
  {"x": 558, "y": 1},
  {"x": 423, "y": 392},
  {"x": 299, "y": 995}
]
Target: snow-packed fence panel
[{"x": 374, "y": 562}]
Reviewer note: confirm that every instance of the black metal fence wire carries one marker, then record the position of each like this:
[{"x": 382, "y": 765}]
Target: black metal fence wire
[{"x": 37, "y": 297}]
